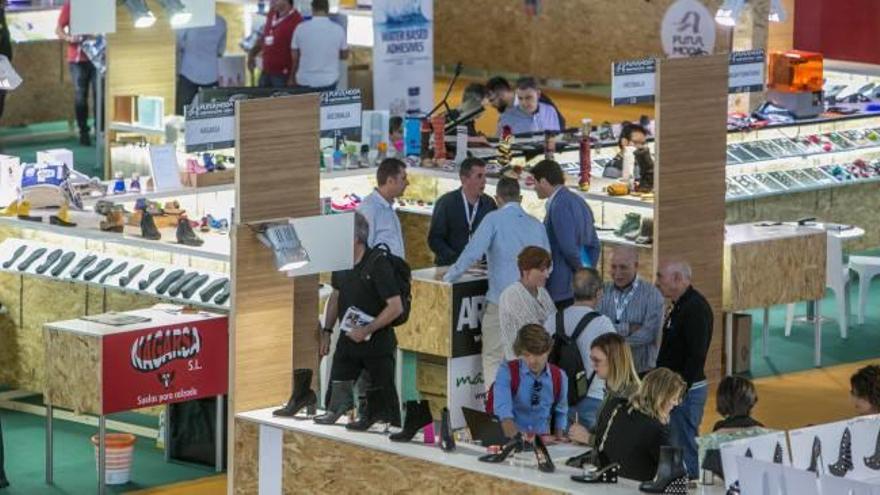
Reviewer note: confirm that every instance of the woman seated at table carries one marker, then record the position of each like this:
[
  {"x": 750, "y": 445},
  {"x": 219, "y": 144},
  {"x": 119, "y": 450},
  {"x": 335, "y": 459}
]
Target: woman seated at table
[
  {"x": 526, "y": 301},
  {"x": 612, "y": 359},
  {"x": 632, "y": 433}
]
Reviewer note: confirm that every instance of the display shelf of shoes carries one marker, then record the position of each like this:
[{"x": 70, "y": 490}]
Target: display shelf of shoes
[
  {"x": 152, "y": 195},
  {"x": 135, "y": 129}
]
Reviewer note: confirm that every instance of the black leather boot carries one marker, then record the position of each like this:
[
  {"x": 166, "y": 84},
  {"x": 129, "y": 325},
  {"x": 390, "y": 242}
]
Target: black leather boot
[
  {"x": 302, "y": 396},
  {"x": 514, "y": 445},
  {"x": 148, "y": 227},
  {"x": 418, "y": 416},
  {"x": 185, "y": 233},
  {"x": 377, "y": 409},
  {"x": 607, "y": 474},
  {"x": 873, "y": 461},
  {"x": 844, "y": 462},
  {"x": 447, "y": 441},
  {"x": 671, "y": 477},
  {"x": 341, "y": 401},
  {"x": 815, "y": 456}
]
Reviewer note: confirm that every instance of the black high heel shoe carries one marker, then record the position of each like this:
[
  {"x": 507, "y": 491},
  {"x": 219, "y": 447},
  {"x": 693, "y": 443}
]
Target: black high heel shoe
[
  {"x": 844, "y": 462},
  {"x": 578, "y": 461},
  {"x": 873, "y": 462},
  {"x": 545, "y": 463},
  {"x": 815, "y": 456},
  {"x": 514, "y": 445},
  {"x": 418, "y": 416},
  {"x": 607, "y": 474},
  {"x": 447, "y": 441},
  {"x": 777, "y": 454}
]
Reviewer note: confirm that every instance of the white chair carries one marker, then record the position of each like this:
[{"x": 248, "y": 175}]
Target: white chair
[
  {"x": 867, "y": 267},
  {"x": 836, "y": 279}
]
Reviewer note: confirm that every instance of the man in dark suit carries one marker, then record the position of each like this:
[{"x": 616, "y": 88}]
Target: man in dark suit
[
  {"x": 574, "y": 243},
  {"x": 458, "y": 213}
]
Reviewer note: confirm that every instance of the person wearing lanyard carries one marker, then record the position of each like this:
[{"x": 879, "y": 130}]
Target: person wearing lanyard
[
  {"x": 458, "y": 213},
  {"x": 687, "y": 333},
  {"x": 635, "y": 306},
  {"x": 275, "y": 45}
]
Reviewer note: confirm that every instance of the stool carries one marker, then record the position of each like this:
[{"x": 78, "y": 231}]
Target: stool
[{"x": 867, "y": 267}]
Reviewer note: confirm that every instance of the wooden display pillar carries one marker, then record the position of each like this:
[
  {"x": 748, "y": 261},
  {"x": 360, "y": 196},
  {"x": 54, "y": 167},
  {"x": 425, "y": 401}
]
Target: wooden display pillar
[
  {"x": 276, "y": 177},
  {"x": 689, "y": 212}
]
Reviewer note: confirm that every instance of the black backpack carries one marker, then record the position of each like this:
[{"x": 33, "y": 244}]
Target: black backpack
[
  {"x": 565, "y": 354},
  {"x": 402, "y": 274}
]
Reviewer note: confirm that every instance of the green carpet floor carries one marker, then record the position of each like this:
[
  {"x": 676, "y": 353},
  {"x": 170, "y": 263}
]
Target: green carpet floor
[
  {"x": 75, "y": 472},
  {"x": 795, "y": 353}
]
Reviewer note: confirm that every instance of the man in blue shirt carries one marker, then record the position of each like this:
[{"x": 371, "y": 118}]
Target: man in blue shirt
[
  {"x": 378, "y": 206},
  {"x": 574, "y": 243},
  {"x": 528, "y": 114},
  {"x": 529, "y": 409},
  {"x": 501, "y": 236},
  {"x": 198, "y": 53}
]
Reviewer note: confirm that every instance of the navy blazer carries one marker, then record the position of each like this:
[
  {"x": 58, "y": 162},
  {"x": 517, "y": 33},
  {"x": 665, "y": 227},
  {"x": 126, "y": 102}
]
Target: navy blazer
[
  {"x": 449, "y": 233},
  {"x": 573, "y": 241}
]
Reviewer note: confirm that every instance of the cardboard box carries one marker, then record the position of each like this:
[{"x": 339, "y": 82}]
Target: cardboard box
[{"x": 742, "y": 343}]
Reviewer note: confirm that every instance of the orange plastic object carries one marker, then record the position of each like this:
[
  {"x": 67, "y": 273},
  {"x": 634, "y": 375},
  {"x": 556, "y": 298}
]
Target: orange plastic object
[{"x": 795, "y": 71}]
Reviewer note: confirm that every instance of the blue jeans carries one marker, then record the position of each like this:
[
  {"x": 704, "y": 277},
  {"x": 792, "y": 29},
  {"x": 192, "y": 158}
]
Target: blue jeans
[
  {"x": 82, "y": 74},
  {"x": 272, "y": 80},
  {"x": 684, "y": 426},
  {"x": 586, "y": 410}
]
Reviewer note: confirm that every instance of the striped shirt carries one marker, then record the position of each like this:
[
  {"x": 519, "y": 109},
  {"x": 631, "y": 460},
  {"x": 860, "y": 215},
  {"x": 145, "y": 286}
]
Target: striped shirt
[{"x": 639, "y": 304}]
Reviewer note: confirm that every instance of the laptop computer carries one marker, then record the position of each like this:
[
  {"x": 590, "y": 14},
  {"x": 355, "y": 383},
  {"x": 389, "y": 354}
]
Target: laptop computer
[{"x": 484, "y": 427}]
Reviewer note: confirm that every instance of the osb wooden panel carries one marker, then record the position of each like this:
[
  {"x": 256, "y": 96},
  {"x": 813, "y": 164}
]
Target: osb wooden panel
[
  {"x": 47, "y": 93},
  {"x": 415, "y": 239},
  {"x": 277, "y": 156},
  {"x": 691, "y": 155},
  {"x": 574, "y": 39},
  {"x": 431, "y": 374},
  {"x": 306, "y": 340},
  {"x": 73, "y": 371},
  {"x": 429, "y": 327},
  {"x": 124, "y": 301},
  {"x": 94, "y": 299},
  {"x": 312, "y": 465},
  {"x": 781, "y": 271},
  {"x": 247, "y": 444},
  {"x": 10, "y": 296},
  {"x": 261, "y": 326}
]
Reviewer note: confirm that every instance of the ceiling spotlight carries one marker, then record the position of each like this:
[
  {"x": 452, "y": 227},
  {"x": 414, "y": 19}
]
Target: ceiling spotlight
[
  {"x": 284, "y": 242},
  {"x": 178, "y": 12},
  {"x": 729, "y": 12},
  {"x": 143, "y": 17},
  {"x": 777, "y": 11}
]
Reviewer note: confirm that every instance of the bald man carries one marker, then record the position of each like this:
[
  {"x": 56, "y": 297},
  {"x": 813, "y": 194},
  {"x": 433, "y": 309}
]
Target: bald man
[
  {"x": 687, "y": 332},
  {"x": 635, "y": 307}
]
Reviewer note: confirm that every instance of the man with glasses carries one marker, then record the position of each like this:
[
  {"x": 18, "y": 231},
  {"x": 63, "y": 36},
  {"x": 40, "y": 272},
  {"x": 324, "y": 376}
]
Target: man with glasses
[
  {"x": 500, "y": 95},
  {"x": 632, "y": 137},
  {"x": 529, "y": 114}
]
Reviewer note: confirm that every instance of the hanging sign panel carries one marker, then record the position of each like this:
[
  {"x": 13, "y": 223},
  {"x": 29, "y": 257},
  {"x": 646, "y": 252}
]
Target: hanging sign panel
[
  {"x": 746, "y": 73},
  {"x": 632, "y": 81}
]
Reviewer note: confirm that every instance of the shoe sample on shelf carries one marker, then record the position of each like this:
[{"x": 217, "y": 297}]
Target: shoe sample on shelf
[
  {"x": 63, "y": 263},
  {"x": 100, "y": 267},
  {"x": 50, "y": 260},
  {"x": 447, "y": 440},
  {"x": 24, "y": 212},
  {"x": 208, "y": 160},
  {"x": 631, "y": 223},
  {"x": 213, "y": 288},
  {"x": 148, "y": 227},
  {"x": 177, "y": 286},
  {"x": 815, "y": 456},
  {"x": 11, "y": 210},
  {"x": 169, "y": 279},
  {"x": 114, "y": 220},
  {"x": 844, "y": 462},
  {"x": 777, "y": 454},
  {"x": 119, "y": 184},
  {"x": 204, "y": 226},
  {"x": 218, "y": 224},
  {"x": 375, "y": 411},
  {"x": 671, "y": 477},
  {"x": 63, "y": 217},
  {"x": 580, "y": 460},
  {"x": 172, "y": 208},
  {"x": 418, "y": 416},
  {"x": 194, "y": 285},
  {"x": 34, "y": 256},
  {"x": 223, "y": 296},
  {"x": 607, "y": 474},
  {"x": 185, "y": 233},
  {"x": 151, "y": 277},
  {"x": 17, "y": 254},
  {"x": 116, "y": 270},
  {"x": 128, "y": 277},
  {"x": 82, "y": 266},
  {"x": 514, "y": 445},
  {"x": 545, "y": 463},
  {"x": 341, "y": 402},
  {"x": 302, "y": 396},
  {"x": 135, "y": 185},
  {"x": 194, "y": 167}
]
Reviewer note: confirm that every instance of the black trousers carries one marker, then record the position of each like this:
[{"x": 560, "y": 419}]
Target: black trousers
[
  {"x": 3, "y": 481},
  {"x": 376, "y": 357},
  {"x": 186, "y": 91},
  {"x": 83, "y": 76}
]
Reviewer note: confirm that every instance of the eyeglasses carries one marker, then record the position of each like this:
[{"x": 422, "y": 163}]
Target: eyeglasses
[{"x": 536, "y": 392}]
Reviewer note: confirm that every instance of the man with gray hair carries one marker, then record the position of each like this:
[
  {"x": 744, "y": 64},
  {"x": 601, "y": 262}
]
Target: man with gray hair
[
  {"x": 687, "y": 332},
  {"x": 635, "y": 306},
  {"x": 582, "y": 323}
]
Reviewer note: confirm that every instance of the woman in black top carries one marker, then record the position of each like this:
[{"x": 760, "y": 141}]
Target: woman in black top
[
  {"x": 632, "y": 432},
  {"x": 734, "y": 400}
]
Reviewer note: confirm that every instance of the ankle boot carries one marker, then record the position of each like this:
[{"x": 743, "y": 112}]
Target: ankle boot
[
  {"x": 114, "y": 219},
  {"x": 514, "y": 445},
  {"x": 607, "y": 474},
  {"x": 341, "y": 401},
  {"x": 815, "y": 456},
  {"x": 418, "y": 416},
  {"x": 24, "y": 212},
  {"x": 63, "y": 217},
  {"x": 844, "y": 462},
  {"x": 185, "y": 234},
  {"x": 447, "y": 441},
  {"x": 777, "y": 454},
  {"x": 671, "y": 477},
  {"x": 148, "y": 227},
  {"x": 873, "y": 461},
  {"x": 375, "y": 411},
  {"x": 302, "y": 396},
  {"x": 545, "y": 463},
  {"x": 646, "y": 232}
]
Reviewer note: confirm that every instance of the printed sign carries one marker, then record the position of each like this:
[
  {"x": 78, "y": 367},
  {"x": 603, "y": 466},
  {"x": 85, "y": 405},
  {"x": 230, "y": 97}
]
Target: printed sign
[
  {"x": 210, "y": 126},
  {"x": 632, "y": 81},
  {"x": 165, "y": 364},
  {"x": 341, "y": 114},
  {"x": 746, "y": 72},
  {"x": 403, "y": 56},
  {"x": 164, "y": 167},
  {"x": 688, "y": 29},
  {"x": 466, "y": 385}
]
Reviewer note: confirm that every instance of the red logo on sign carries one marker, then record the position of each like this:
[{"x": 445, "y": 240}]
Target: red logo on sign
[{"x": 151, "y": 352}]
